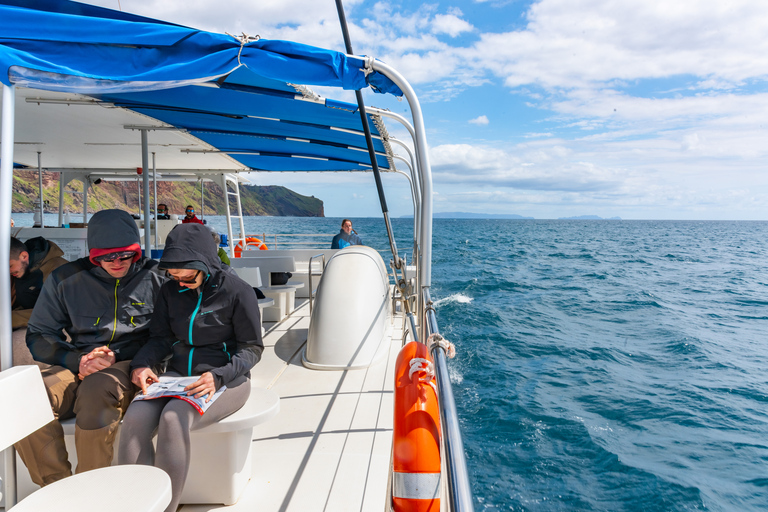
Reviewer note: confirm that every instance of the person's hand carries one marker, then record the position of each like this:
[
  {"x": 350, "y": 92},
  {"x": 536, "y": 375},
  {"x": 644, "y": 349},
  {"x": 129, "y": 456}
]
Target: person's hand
[
  {"x": 143, "y": 377},
  {"x": 96, "y": 360},
  {"x": 205, "y": 385}
]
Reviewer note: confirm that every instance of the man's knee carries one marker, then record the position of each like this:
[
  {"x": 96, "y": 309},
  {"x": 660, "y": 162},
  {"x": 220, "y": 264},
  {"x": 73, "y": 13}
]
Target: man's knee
[{"x": 102, "y": 398}]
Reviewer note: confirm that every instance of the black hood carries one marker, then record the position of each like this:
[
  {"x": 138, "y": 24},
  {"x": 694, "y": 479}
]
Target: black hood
[
  {"x": 189, "y": 245},
  {"x": 38, "y": 249},
  {"x": 109, "y": 229}
]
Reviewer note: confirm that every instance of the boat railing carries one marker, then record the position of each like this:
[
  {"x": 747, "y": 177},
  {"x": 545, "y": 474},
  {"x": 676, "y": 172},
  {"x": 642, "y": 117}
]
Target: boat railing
[
  {"x": 294, "y": 240},
  {"x": 459, "y": 489}
]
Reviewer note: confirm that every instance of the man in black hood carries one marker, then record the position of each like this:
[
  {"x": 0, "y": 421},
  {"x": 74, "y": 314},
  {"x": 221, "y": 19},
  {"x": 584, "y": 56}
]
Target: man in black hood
[{"x": 103, "y": 303}]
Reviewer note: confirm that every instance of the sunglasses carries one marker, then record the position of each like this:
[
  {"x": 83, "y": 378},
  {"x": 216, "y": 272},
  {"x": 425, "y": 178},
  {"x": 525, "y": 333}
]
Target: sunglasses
[
  {"x": 188, "y": 280},
  {"x": 162, "y": 210},
  {"x": 190, "y": 211},
  {"x": 112, "y": 256}
]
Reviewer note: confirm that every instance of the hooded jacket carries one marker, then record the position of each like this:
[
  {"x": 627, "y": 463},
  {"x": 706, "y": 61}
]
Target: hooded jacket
[
  {"x": 82, "y": 300},
  {"x": 213, "y": 328},
  {"x": 44, "y": 257},
  {"x": 343, "y": 240}
]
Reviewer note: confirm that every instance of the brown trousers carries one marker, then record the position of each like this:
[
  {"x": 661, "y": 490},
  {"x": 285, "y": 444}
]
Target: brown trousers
[{"x": 97, "y": 403}]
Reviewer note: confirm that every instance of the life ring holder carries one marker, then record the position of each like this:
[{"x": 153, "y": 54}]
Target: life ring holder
[{"x": 249, "y": 241}]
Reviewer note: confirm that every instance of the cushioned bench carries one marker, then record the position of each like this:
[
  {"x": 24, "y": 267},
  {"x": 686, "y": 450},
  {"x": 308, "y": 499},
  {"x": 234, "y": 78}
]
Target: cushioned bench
[{"x": 221, "y": 453}]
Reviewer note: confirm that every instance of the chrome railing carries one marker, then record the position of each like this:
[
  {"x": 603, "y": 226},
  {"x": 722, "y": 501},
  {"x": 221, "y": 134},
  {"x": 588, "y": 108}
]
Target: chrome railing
[
  {"x": 459, "y": 490},
  {"x": 288, "y": 240}
]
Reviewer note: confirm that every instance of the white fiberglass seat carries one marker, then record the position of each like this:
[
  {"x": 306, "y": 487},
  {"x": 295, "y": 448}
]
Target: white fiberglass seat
[{"x": 24, "y": 408}]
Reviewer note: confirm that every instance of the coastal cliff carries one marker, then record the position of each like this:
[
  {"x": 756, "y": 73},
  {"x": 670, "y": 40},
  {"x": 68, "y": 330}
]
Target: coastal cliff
[{"x": 268, "y": 201}]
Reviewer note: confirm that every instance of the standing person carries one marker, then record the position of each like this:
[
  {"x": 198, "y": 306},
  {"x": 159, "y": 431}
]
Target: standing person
[
  {"x": 207, "y": 321},
  {"x": 190, "y": 216},
  {"x": 103, "y": 302},
  {"x": 346, "y": 237}
]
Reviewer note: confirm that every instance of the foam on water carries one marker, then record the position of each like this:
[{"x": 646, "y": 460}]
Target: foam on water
[{"x": 459, "y": 298}]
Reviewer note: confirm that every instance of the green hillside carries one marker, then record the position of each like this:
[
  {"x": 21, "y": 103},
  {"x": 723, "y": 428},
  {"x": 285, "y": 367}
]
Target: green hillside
[{"x": 272, "y": 200}]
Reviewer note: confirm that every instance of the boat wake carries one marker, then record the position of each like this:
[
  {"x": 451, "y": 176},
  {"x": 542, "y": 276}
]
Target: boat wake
[{"x": 459, "y": 298}]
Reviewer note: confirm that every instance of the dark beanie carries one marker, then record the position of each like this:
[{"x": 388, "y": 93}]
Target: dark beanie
[{"x": 109, "y": 229}]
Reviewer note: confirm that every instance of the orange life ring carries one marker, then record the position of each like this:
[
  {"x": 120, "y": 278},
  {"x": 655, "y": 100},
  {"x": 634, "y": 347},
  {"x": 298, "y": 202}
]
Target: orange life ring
[
  {"x": 416, "y": 444},
  {"x": 249, "y": 241}
]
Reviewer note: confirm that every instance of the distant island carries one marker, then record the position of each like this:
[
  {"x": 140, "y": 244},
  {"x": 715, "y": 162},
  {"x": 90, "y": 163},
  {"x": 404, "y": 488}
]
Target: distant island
[
  {"x": 468, "y": 215},
  {"x": 588, "y": 217}
]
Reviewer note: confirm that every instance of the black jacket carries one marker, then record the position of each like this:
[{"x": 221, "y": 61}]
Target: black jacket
[
  {"x": 92, "y": 307},
  {"x": 216, "y": 327}
]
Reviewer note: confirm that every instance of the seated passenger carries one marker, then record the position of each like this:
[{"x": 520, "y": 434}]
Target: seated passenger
[
  {"x": 207, "y": 322},
  {"x": 346, "y": 237},
  {"x": 103, "y": 302},
  {"x": 217, "y": 240},
  {"x": 162, "y": 212},
  {"x": 190, "y": 216},
  {"x": 31, "y": 264}
]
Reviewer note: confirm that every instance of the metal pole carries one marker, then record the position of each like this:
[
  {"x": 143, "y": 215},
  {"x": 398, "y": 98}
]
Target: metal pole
[
  {"x": 202, "y": 199},
  {"x": 425, "y": 173},
  {"x": 369, "y": 141},
  {"x": 145, "y": 180},
  {"x": 61, "y": 198},
  {"x": 6, "y": 191},
  {"x": 459, "y": 489},
  {"x": 40, "y": 186},
  {"x": 154, "y": 182}
]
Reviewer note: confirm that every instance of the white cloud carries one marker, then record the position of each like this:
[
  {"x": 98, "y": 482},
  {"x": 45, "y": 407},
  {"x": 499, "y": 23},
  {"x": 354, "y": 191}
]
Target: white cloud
[
  {"x": 480, "y": 120},
  {"x": 450, "y": 24}
]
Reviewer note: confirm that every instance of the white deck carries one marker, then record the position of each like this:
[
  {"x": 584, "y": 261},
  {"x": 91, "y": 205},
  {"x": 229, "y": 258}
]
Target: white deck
[{"x": 329, "y": 447}]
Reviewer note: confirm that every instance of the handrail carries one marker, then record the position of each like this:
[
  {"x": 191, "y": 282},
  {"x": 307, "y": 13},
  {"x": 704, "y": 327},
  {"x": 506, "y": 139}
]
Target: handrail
[
  {"x": 459, "y": 490},
  {"x": 312, "y": 288}
]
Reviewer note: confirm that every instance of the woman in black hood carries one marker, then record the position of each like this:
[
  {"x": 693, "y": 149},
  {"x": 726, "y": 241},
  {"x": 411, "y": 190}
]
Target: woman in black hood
[{"x": 207, "y": 321}]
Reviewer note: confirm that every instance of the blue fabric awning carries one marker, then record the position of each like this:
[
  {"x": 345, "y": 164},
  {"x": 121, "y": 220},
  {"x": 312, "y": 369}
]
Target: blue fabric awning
[{"x": 248, "y": 108}]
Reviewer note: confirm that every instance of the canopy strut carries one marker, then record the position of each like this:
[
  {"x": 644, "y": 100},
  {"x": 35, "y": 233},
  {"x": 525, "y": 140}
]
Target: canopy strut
[{"x": 369, "y": 141}]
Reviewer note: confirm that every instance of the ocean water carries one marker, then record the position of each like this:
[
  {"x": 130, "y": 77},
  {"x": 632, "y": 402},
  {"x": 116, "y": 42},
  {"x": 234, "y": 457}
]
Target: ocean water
[{"x": 601, "y": 365}]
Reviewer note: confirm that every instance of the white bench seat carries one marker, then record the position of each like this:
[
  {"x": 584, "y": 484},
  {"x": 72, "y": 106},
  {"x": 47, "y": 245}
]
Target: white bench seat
[{"x": 221, "y": 464}]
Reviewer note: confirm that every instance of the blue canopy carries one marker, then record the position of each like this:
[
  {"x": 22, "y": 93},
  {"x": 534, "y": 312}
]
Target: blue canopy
[
  {"x": 254, "y": 113},
  {"x": 98, "y": 45}
]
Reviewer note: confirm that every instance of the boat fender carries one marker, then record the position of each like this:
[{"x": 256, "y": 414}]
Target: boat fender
[
  {"x": 249, "y": 241},
  {"x": 416, "y": 445}
]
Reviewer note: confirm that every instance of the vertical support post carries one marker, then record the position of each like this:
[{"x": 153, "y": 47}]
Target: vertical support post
[
  {"x": 62, "y": 184},
  {"x": 6, "y": 195},
  {"x": 86, "y": 184},
  {"x": 154, "y": 182},
  {"x": 40, "y": 187},
  {"x": 145, "y": 180},
  {"x": 202, "y": 198}
]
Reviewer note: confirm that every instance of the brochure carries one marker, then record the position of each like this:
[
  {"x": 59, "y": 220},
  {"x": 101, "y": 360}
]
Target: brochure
[{"x": 174, "y": 387}]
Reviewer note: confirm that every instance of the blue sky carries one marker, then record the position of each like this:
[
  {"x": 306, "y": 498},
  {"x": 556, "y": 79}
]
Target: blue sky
[{"x": 554, "y": 108}]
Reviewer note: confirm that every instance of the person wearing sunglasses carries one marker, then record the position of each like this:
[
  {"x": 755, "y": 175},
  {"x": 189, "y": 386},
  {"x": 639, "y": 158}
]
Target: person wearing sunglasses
[
  {"x": 162, "y": 212},
  {"x": 91, "y": 318},
  {"x": 206, "y": 324},
  {"x": 190, "y": 216}
]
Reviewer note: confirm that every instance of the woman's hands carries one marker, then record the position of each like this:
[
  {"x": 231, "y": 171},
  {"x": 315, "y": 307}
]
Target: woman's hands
[
  {"x": 143, "y": 377},
  {"x": 205, "y": 385}
]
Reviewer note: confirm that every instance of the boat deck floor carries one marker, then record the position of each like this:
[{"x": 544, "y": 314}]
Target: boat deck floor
[{"x": 329, "y": 447}]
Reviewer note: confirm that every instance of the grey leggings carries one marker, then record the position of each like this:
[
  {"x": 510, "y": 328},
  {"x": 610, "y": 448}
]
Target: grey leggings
[{"x": 172, "y": 419}]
